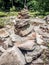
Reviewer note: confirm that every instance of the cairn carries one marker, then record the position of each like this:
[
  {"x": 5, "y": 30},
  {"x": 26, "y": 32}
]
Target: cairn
[
  {"x": 24, "y": 43},
  {"x": 23, "y": 14},
  {"x": 23, "y": 26}
]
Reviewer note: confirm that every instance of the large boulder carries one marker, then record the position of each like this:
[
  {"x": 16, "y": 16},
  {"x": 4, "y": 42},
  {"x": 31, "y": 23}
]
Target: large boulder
[
  {"x": 32, "y": 55},
  {"x": 27, "y": 45},
  {"x": 12, "y": 56}
]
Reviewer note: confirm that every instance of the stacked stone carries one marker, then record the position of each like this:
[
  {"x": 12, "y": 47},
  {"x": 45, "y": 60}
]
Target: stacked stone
[
  {"x": 23, "y": 14},
  {"x": 22, "y": 26},
  {"x": 30, "y": 46},
  {"x": 23, "y": 44}
]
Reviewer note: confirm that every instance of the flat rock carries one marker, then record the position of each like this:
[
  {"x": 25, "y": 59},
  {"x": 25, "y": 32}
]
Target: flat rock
[
  {"x": 21, "y": 23},
  {"x": 43, "y": 47},
  {"x": 39, "y": 39},
  {"x": 3, "y": 33},
  {"x": 37, "y": 28},
  {"x": 33, "y": 54},
  {"x": 37, "y": 21},
  {"x": 32, "y": 36},
  {"x": 24, "y": 14},
  {"x": 10, "y": 29},
  {"x": 12, "y": 56},
  {"x": 26, "y": 31},
  {"x": 8, "y": 43},
  {"x": 13, "y": 37},
  {"x": 16, "y": 38},
  {"x": 27, "y": 45},
  {"x": 39, "y": 60}
]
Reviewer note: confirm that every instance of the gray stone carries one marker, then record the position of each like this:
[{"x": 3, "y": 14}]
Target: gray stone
[
  {"x": 28, "y": 59},
  {"x": 12, "y": 56},
  {"x": 13, "y": 37},
  {"x": 26, "y": 31},
  {"x": 10, "y": 29},
  {"x": 37, "y": 21},
  {"x": 39, "y": 39},
  {"x": 32, "y": 36},
  {"x": 27, "y": 45},
  {"x": 39, "y": 60},
  {"x": 8, "y": 42},
  {"x": 37, "y": 28},
  {"x": 43, "y": 47},
  {"x": 46, "y": 18},
  {"x": 33, "y": 54},
  {"x": 24, "y": 14},
  {"x": 3, "y": 33},
  {"x": 4, "y": 45},
  {"x": 16, "y": 38},
  {"x": 2, "y": 50},
  {"x": 21, "y": 23}
]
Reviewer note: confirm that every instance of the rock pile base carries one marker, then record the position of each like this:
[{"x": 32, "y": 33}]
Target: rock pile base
[{"x": 25, "y": 43}]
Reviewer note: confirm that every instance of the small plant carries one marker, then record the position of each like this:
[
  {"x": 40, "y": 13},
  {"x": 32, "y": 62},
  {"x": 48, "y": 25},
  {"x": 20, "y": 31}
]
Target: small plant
[
  {"x": 2, "y": 23},
  {"x": 12, "y": 9}
]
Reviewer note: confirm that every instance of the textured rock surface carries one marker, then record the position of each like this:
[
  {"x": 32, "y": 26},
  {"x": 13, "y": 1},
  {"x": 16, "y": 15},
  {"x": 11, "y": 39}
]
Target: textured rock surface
[
  {"x": 32, "y": 36},
  {"x": 26, "y": 30},
  {"x": 33, "y": 54},
  {"x": 12, "y": 56},
  {"x": 23, "y": 14},
  {"x": 37, "y": 21},
  {"x": 39, "y": 39},
  {"x": 46, "y": 18},
  {"x": 21, "y": 23},
  {"x": 3, "y": 33},
  {"x": 2, "y": 50},
  {"x": 39, "y": 60},
  {"x": 27, "y": 45}
]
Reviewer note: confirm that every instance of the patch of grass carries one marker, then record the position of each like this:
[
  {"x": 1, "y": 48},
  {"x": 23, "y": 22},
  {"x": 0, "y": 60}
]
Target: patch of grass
[
  {"x": 2, "y": 23},
  {"x": 34, "y": 14},
  {"x": 15, "y": 13},
  {"x": 46, "y": 13},
  {"x": 2, "y": 14},
  {"x": 38, "y": 14},
  {"x": 6, "y": 14},
  {"x": 12, "y": 14}
]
